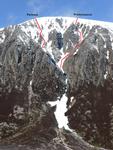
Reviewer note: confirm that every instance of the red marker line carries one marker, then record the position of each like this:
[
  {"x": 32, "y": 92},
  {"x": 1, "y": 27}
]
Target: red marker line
[
  {"x": 63, "y": 59},
  {"x": 67, "y": 55},
  {"x": 40, "y": 33},
  {"x": 76, "y": 20}
]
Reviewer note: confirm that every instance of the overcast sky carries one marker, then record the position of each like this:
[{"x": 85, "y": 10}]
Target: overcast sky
[{"x": 14, "y": 11}]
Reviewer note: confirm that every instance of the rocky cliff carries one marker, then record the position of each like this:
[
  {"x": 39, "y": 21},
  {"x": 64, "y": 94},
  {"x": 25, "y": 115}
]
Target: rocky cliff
[
  {"x": 30, "y": 78},
  {"x": 90, "y": 85}
]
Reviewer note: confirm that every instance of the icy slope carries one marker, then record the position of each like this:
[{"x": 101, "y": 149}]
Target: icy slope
[{"x": 51, "y": 24}]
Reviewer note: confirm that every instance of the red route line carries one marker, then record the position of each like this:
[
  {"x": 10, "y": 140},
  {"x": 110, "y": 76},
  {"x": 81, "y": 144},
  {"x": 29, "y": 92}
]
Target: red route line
[
  {"x": 40, "y": 33},
  {"x": 76, "y": 21},
  {"x": 67, "y": 55},
  {"x": 64, "y": 58},
  {"x": 81, "y": 36}
]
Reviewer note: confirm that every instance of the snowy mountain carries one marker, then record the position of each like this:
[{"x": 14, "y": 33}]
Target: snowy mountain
[
  {"x": 53, "y": 25},
  {"x": 48, "y": 59}
]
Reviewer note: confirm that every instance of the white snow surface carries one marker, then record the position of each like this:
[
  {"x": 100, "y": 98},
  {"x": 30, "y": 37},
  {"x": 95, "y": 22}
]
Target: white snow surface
[
  {"x": 49, "y": 24},
  {"x": 67, "y": 21},
  {"x": 2, "y": 38},
  {"x": 60, "y": 111},
  {"x": 107, "y": 54}
]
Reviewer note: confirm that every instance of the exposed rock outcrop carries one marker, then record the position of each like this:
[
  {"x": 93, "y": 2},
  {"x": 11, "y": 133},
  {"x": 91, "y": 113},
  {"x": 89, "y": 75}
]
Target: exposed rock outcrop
[
  {"x": 30, "y": 78},
  {"x": 90, "y": 86}
]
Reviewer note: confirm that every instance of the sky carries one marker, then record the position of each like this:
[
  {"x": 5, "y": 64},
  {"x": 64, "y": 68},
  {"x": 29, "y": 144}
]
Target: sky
[{"x": 15, "y": 11}]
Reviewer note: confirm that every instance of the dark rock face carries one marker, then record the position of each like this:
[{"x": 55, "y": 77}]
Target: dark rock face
[
  {"x": 70, "y": 38},
  {"x": 90, "y": 86},
  {"x": 59, "y": 40},
  {"x": 60, "y": 21},
  {"x": 63, "y": 140},
  {"x": 92, "y": 118},
  {"x": 29, "y": 78},
  {"x": 57, "y": 43}
]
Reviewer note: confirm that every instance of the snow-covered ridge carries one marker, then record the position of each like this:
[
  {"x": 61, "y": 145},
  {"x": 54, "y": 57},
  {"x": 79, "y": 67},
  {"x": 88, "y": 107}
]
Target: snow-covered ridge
[
  {"x": 48, "y": 24},
  {"x": 69, "y": 20}
]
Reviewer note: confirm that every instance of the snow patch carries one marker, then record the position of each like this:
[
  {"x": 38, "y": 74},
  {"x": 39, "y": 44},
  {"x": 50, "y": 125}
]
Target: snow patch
[
  {"x": 75, "y": 52},
  {"x": 104, "y": 45},
  {"x": 31, "y": 94},
  {"x": 2, "y": 38},
  {"x": 18, "y": 112},
  {"x": 21, "y": 39},
  {"x": 105, "y": 76},
  {"x": 111, "y": 38},
  {"x": 60, "y": 111},
  {"x": 107, "y": 54}
]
